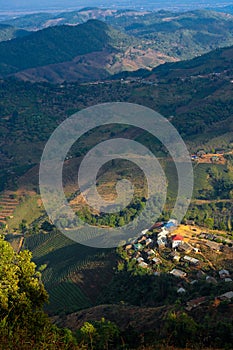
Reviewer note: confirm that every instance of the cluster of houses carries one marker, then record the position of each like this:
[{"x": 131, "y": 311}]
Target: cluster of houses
[
  {"x": 213, "y": 159},
  {"x": 209, "y": 157},
  {"x": 201, "y": 153},
  {"x": 148, "y": 254},
  {"x": 145, "y": 248},
  {"x": 211, "y": 241},
  {"x": 146, "y": 251},
  {"x": 191, "y": 304}
]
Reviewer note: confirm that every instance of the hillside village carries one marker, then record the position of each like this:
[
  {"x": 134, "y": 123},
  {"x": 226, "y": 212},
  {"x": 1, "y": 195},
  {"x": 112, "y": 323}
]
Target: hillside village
[
  {"x": 216, "y": 157},
  {"x": 192, "y": 256}
]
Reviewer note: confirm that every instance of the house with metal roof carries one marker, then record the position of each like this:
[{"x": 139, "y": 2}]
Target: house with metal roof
[{"x": 178, "y": 273}]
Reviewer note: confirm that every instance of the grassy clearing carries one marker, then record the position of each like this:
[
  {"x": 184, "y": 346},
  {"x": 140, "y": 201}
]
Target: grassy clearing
[{"x": 201, "y": 178}]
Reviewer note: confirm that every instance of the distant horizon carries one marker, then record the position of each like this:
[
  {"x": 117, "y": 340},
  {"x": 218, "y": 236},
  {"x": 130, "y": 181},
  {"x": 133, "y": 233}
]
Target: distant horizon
[{"x": 24, "y": 6}]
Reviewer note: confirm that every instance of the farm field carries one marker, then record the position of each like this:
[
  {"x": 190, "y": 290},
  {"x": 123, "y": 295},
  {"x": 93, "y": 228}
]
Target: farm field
[
  {"x": 17, "y": 206},
  {"x": 70, "y": 269},
  {"x": 201, "y": 181},
  {"x": 29, "y": 209},
  {"x": 8, "y": 203}
]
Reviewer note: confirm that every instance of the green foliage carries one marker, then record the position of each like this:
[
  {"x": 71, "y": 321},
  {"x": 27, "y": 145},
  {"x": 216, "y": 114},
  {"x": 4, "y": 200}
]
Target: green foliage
[
  {"x": 21, "y": 54},
  {"x": 209, "y": 223},
  {"x": 217, "y": 215},
  {"x": 182, "y": 329},
  {"x": 141, "y": 289},
  {"x": 194, "y": 32},
  {"x": 87, "y": 333},
  {"x": 125, "y": 216},
  {"x": 21, "y": 288},
  {"x": 23, "y": 324},
  {"x": 99, "y": 335},
  {"x": 47, "y": 226},
  {"x": 66, "y": 261},
  {"x": 59, "y": 293}
]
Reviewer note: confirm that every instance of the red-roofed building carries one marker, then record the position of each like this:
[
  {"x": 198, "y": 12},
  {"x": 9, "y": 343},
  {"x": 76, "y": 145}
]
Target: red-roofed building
[{"x": 177, "y": 240}]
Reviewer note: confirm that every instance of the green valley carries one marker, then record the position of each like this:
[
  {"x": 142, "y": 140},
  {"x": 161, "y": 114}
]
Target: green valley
[{"x": 167, "y": 285}]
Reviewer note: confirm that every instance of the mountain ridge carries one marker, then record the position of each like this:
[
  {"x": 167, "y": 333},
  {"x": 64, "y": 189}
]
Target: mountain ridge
[
  {"x": 176, "y": 35},
  {"x": 20, "y": 54},
  {"x": 76, "y": 58}
]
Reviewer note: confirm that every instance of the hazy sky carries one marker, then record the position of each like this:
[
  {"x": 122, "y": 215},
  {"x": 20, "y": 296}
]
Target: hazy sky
[{"x": 64, "y": 4}]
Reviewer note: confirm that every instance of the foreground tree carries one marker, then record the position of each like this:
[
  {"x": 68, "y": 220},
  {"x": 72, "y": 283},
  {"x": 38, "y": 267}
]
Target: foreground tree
[
  {"x": 99, "y": 335},
  {"x": 23, "y": 324}
]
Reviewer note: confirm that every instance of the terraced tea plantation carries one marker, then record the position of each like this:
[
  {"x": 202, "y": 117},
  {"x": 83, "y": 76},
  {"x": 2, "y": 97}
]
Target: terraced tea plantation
[
  {"x": 8, "y": 203},
  {"x": 74, "y": 275}
]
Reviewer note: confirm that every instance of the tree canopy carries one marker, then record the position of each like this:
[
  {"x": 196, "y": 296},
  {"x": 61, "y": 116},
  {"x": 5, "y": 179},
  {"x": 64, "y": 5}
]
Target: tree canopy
[{"x": 23, "y": 323}]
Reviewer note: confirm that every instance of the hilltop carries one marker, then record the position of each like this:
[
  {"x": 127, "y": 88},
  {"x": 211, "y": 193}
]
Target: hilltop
[
  {"x": 21, "y": 54},
  {"x": 91, "y": 51},
  {"x": 43, "y": 20}
]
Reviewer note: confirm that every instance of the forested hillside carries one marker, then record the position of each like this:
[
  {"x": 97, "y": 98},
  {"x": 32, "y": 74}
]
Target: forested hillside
[
  {"x": 199, "y": 94},
  {"x": 94, "y": 50},
  {"x": 23, "y": 53}
]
